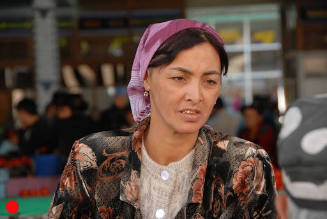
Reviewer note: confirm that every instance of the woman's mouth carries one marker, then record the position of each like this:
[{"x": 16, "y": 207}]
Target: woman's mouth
[{"x": 190, "y": 115}]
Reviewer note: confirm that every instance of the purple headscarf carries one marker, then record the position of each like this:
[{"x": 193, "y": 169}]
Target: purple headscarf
[{"x": 151, "y": 40}]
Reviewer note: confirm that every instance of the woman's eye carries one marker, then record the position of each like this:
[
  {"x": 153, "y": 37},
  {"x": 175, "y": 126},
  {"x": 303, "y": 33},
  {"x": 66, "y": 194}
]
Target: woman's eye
[
  {"x": 178, "y": 78},
  {"x": 211, "y": 82}
]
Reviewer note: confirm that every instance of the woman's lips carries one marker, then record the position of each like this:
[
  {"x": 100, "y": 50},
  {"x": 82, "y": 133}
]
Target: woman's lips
[{"x": 190, "y": 115}]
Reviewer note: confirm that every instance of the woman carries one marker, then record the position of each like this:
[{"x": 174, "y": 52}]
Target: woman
[
  {"x": 258, "y": 130},
  {"x": 170, "y": 165}
]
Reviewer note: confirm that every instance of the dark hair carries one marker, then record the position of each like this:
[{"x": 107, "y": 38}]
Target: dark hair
[
  {"x": 61, "y": 98},
  {"x": 186, "y": 39},
  {"x": 74, "y": 101},
  {"x": 219, "y": 103},
  {"x": 27, "y": 105},
  {"x": 78, "y": 103},
  {"x": 256, "y": 106}
]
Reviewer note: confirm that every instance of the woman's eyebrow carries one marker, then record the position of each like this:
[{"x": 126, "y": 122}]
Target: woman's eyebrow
[
  {"x": 184, "y": 70},
  {"x": 212, "y": 72}
]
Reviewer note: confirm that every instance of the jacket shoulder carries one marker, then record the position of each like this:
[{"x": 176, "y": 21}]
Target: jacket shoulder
[
  {"x": 100, "y": 158},
  {"x": 234, "y": 150},
  {"x": 241, "y": 173},
  {"x": 89, "y": 177},
  {"x": 107, "y": 142}
]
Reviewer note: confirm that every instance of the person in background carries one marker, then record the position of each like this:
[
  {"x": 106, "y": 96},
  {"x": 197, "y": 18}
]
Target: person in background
[
  {"x": 302, "y": 155},
  {"x": 10, "y": 143},
  {"x": 263, "y": 133},
  {"x": 223, "y": 120},
  {"x": 257, "y": 130},
  {"x": 115, "y": 117},
  {"x": 236, "y": 101},
  {"x": 34, "y": 134},
  {"x": 71, "y": 123},
  {"x": 50, "y": 114}
]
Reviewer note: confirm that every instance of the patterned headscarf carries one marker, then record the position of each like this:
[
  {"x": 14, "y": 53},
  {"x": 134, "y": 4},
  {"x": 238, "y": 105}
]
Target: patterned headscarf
[{"x": 152, "y": 39}]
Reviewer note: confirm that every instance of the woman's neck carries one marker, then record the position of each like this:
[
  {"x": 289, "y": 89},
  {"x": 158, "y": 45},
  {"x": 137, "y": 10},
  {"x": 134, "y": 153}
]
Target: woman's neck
[{"x": 165, "y": 146}]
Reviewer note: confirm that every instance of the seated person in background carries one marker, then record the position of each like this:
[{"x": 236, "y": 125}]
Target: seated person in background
[
  {"x": 34, "y": 134},
  {"x": 115, "y": 117},
  {"x": 50, "y": 114},
  {"x": 222, "y": 120},
  {"x": 71, "y": 123}
]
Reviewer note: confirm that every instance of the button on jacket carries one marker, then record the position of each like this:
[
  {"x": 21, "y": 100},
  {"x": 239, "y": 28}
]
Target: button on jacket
[{"x": 232, "y": 178}]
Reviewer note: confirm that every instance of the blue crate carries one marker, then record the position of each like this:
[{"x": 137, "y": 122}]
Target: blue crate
[{"x": 47, "y": 165}]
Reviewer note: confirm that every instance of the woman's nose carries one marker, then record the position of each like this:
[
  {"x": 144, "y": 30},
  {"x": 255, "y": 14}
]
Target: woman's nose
[{"x": 194, "y": 92}]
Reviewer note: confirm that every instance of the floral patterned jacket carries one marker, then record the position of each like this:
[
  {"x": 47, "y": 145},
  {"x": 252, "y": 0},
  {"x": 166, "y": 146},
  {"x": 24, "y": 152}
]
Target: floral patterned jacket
[{"x": 233, "y": 178}]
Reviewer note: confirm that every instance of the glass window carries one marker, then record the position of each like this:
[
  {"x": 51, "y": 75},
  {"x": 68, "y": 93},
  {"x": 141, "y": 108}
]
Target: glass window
[
  {"x": 266, "y": 60},
  {"x": 232, "y": 33},
  {"x": 236, "y": 62},
  {"x": 265, "y": 31},
  {"x": 265, "y": 86}
]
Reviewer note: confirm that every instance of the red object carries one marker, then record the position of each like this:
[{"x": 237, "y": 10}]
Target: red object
[
  {"x": 45, "y": 191},
  {"x": 33, "y": 192},
  {"x": 23, "y": 193},
  {"x": 12, "y": 207},
  {"x": 16, "y": 185},
  {"x": 2, "y": 162},
  {"x": 279, "y": 179},
  {"x": 38, "y": 192}
]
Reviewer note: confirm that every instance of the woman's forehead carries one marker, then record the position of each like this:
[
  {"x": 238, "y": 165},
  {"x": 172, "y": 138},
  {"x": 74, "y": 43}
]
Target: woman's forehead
[{"x": 202, "y": 56}]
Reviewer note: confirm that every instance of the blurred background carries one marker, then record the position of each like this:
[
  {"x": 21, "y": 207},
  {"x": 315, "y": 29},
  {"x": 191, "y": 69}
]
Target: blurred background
[{"x": 65, "y": 65}]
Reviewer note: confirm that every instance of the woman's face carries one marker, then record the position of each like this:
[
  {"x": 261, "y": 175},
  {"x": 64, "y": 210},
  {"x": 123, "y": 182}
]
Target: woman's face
[
  {"x": 183, "y": 93},
  {"x": 252, "y": 118}
]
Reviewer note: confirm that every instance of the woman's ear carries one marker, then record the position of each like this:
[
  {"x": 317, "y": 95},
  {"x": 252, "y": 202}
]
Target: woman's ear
[{"x": 146, "y": 82}]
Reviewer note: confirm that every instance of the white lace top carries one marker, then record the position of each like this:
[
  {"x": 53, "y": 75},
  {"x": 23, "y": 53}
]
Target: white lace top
[{"x": 164, "y": 189}]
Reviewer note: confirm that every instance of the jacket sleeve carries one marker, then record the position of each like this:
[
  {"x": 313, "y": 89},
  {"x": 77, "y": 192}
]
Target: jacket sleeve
[
  {"x": 255, "y": 185},
  {"x": 72, "y": 199}
]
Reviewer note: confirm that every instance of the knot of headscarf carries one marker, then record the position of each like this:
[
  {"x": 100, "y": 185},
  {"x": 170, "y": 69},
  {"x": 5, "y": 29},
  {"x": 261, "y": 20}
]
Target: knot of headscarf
[{"x": 151, "y": 40}]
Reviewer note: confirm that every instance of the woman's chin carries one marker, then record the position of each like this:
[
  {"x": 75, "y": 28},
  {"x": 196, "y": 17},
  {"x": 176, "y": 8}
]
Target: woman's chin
[{"x": 188, "y": 128}]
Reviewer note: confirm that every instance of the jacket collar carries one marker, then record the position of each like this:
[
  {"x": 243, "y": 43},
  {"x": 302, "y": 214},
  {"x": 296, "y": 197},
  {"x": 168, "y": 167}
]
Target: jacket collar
[{"x": 130, "y": 181}]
